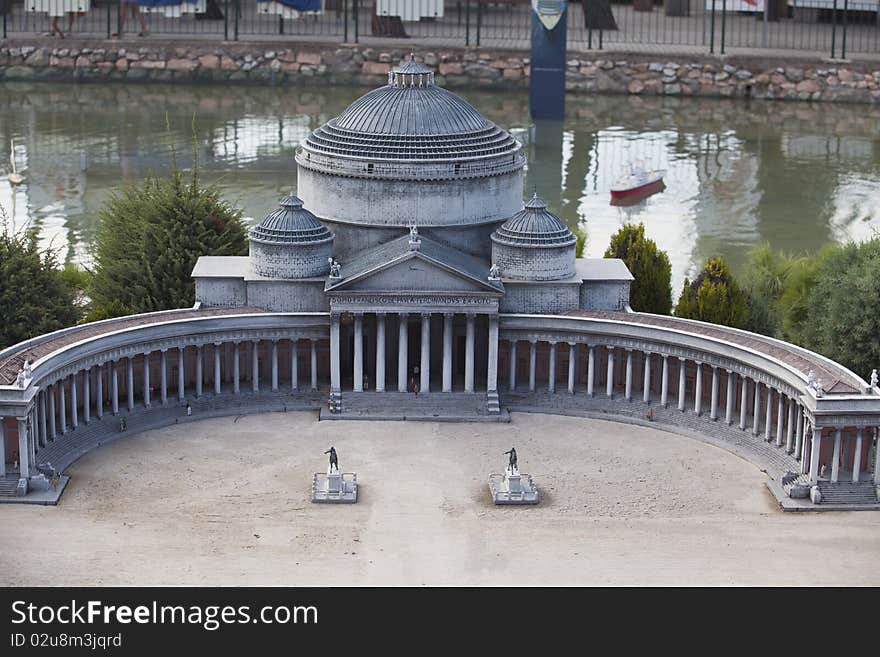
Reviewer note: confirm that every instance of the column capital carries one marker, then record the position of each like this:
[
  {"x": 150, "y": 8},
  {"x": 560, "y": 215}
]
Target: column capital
[
  {"x": 552, "y": 342},
  {"x": 664, "y": 356},
  {"x": 313, "y": 340},
  {"x": 164, "y": 350},
  {"x": 274, "y": 341},
  {"x": 147, "y": 353},
  {"x": 533, "y": 341},
  {"x": 449, "y": 315},
  {"x": 571, "y": 344},
  {"x": 471, "y": 314},
  {"x": 216, "y": 344},
  {"x": 380, "y": 315},
  {"x": 714, "y": 368},
  {"x": 425, "y": 315},
  {"x": 698, "y": 363},
  {"x": 729, "y": 372}
]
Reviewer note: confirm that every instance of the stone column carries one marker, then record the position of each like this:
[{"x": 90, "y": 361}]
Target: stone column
[
  {"x": 533, "y": 358},
  {"x": 876, "y": 458},
  {"x": 129, "y": 381},
  {"x": 551, "y": 377},
  {"x": 664, "y": 382},
  {"x": 713, "y": 401},
  {"x": 87, "y": 395},
  {"x": 469, "y": 354},
  {"x": 698, "y": 388},
  {"x": 163, "y": 376},
  {"x": 646, "y": 387},
  {"x": 227, "y": 361},
  {"x": 629, "y": 375},
  {"x": 313, "y": 354},
  {"x": 835, "y": 458},
  {"x": 743, "y": 401},
  {"x": 114, "y": 388},
  {"x": 218, "y": 380},
  {"x": 74, "y": 403},
  {"x": 512, "y": 372},
  {"x": 44, "y": 436},
  {"x": 380, "y": 353},
  {"x": 52, "y": 410},
  {"x": 200, "y": 358},
  {"x": 62, "y": 409},
  {"x": 146, "y": 380},
  {"x": 32, "y": 435},
  {"x": 425, "y": 363},
  {"x": 492, "y": 370},
  {"x": 728, "y": 408},
  {"x": 236, "y": 368},
  {"x": 2, "y": 448},
  {"x": 255, "y": 366},
  {"x": 591, "y": 369},
  {"x": 24, "y": 450},
  {"x": 682, "y": 380},
  {"x": 780, "y": 411},
  {"x": 274, "y": 365},
  {"x": 402, "y": 351},
  {"x": 756, "y": 428},
  {"x": 857, "y": 457},
  {"x": 335, "y": 371},
  {"x": 358, "y": 377},
  {"x": 799, "y": 434},
  {"x": 99, "y": 392},
  {"x": 609, "y": 383},
  {"x": 181, "y": 373},
  {"x": 294, "y": 365},
  {"x": 768, "y": 414},
  {"x": 815, "y": 449},
  {"x": 789, "y": 426},
  {"x": 571, "y": 365}
]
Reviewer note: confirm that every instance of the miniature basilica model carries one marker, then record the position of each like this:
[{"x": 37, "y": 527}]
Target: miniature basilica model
[{"x": 407, "y": 278}]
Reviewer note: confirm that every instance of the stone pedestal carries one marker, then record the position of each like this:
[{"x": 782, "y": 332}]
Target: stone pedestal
[
  {"x": 335, "y": 487},
  {"x": 513, "y": 488}
]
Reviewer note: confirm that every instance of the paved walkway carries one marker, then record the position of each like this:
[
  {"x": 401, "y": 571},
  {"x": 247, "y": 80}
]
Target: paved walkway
[{"x": 808, "y": 31}]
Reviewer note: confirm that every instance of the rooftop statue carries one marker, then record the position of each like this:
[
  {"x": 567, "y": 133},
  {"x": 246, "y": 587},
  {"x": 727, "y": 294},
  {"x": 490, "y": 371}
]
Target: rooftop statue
[
  {"x": 873, "y": 378},
  {"x": 494, "y": 272},
  {"x": 335, "y": 268}
]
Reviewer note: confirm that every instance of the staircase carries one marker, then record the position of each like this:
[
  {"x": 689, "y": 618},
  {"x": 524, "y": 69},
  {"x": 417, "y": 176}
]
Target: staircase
[
  {"x": 8, "y": 484},
  {"x": 433, "y": 406},
  {"x": 862, "y": 492}
]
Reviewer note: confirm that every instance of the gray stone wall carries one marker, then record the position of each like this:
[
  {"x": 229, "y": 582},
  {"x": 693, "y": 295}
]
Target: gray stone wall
[
  {"x": 548, "y": 298},
  {"x": 534, "y": 264},
  {"x": 781, "y": 78},
  {"x": 604, "y": 295},
  {"x": 221, "y": 292},
  {"x": 288, "y": 261},
  {"x": 288, "y": 296}
]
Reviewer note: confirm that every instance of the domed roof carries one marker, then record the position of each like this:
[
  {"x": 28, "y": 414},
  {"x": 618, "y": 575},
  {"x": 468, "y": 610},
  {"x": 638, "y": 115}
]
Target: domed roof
[
  {"x": 411, "y": 118},
  {"x": 291, "y": 224},
  {"x": 534, "y": 225}
]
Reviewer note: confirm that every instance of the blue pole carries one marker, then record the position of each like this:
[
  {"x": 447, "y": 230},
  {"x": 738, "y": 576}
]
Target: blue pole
[{"x": 547, "y": 80}]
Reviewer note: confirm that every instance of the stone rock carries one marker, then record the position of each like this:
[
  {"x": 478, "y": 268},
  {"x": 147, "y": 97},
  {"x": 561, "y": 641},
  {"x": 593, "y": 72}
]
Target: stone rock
[
  {"x": 635, "y": 87},
  {"x": 794, "y": 74},
  {"x": 385, "y": 57},
  {"x": 727, "y": 68},
  {"x": 312, "y": 58},
  {"x": 209, "y": 61},
  {"x": 451, "y": 68},
  {"x": 655, "y": 67},
  {"x": 376, "y": 68},
  {"x": 512, "y": 73},
  {"x": 808, "y": 86},
  {"x": 672, "y": 89},
  {"x": 19, "y": 73},
  {"x": 180, "y": 64},
  {"x": 743, "y": 74}
]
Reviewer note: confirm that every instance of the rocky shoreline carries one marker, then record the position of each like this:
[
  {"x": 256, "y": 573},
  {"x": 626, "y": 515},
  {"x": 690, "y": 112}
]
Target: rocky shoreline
[{"x": 315, "y": 65}]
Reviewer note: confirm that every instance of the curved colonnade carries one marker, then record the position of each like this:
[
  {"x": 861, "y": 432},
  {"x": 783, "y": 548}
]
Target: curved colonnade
[{"x": 807, "y": 418}]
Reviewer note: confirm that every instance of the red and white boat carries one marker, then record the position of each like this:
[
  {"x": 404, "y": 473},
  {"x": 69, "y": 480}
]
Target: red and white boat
[{"x": 637, "y": 182}]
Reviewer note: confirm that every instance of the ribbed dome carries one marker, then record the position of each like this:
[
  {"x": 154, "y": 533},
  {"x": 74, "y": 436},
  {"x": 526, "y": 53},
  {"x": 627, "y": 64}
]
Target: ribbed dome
[
  {"x": 410, "y": 118},
  {"x": 291, "y": 224},
  {"x": 534, "y": 225}
]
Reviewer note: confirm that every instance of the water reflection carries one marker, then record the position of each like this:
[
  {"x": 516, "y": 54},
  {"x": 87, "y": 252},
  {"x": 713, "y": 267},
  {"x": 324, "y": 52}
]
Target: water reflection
[{"x": 796, "y": 175}]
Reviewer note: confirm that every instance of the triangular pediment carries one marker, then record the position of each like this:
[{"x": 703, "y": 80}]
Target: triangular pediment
[{"x": 432, "y": 268}]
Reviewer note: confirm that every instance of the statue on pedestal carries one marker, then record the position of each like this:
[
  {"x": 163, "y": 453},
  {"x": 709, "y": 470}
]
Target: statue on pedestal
[
  {"x": 335, "y": 268},
  {"x": 873, "y": 378},
  {"x": 334, "y": 460}
]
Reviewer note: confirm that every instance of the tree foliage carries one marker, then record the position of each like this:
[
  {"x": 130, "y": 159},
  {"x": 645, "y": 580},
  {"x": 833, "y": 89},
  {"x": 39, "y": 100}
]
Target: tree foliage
[
  {"x": 35, "y": 298},
  {"x": 148, "y": 240},
  {"x": 713, "y": 296},
  {"x": 651, "y": 291},
  {"x": 841, "y": 314}
]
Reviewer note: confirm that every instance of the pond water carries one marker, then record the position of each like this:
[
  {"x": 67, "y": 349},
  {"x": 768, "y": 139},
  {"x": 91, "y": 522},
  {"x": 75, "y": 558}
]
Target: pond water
[{"x": 739, "y": 173}]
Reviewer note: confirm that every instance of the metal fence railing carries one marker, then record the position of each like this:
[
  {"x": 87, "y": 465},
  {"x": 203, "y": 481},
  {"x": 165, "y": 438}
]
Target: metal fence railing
[{"x": 835, "y": 28}]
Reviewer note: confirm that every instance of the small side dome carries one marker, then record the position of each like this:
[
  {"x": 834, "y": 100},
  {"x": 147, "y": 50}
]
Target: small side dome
[
  {"x": 291, "y": 224},
  {"x": 534, "y": 245},
  {"x": 290, "y": 243}
]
